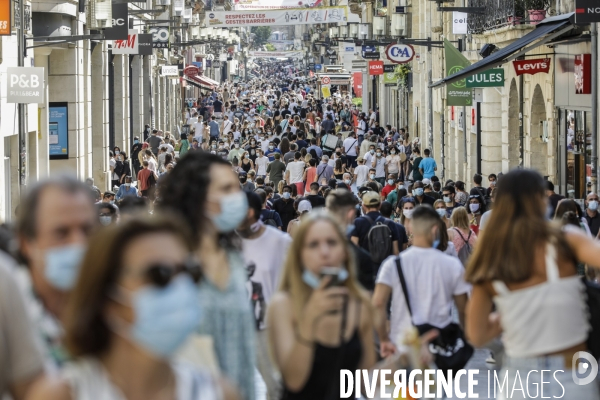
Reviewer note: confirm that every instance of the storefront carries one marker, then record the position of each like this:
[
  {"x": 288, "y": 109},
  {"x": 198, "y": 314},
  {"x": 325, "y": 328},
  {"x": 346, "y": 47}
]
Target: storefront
[
  {"x": 338, "y": 83},
  {"x": 572, "y": 85}
]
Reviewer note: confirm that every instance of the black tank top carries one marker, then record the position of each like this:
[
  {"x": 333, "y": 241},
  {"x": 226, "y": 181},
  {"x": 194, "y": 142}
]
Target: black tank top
[
  {"x": 246, "y": 166},
  {"x": 324, "y": 380}
]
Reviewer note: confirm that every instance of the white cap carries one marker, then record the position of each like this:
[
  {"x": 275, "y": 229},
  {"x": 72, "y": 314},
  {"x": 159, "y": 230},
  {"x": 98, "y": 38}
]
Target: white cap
[
  {"x": 426, "y": 182},
  {"x": 304, "y": 206}
]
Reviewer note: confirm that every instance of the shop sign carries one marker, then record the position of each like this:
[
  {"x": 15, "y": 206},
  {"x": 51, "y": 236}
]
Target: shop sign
[
  {"x": 169, "y": 70},
  {"x": 25, "y": 85},
  {"x": 191, "y": 70},
  {"x": 459, "y": 23},
  {"x": 371, "y": 55},
  {"x": 587, "y": 11},
  {"x": 400, "y": 53},
  {"x": 375, "y": 67},
  {"x": 532, "y": 67},
  {"x": 298, "y": 16},
  {"x": 489, "y": 78},
  {"x": 389, "y": 79},
  {"x": 128, "y": 46},
  {"x": 145, "y": 44},
  {"x": 160, "y": 36},
  {"x": 458, "y": 94},
  {"x": 583, "y": 74},
  {"x": 120, "y": 24},
  {"x": 5, "y": 8},
  {"x": 389, "y": 68}
]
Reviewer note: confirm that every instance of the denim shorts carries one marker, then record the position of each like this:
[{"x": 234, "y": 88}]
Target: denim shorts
[{"x": 556, "y": 380}]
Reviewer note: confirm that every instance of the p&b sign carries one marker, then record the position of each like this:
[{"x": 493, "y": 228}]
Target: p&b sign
[{"x": 25, "y": 85}]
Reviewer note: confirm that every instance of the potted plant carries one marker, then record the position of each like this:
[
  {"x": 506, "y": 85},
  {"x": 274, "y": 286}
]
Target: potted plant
[
  {"x": 536, "y": 10},
  {"x": 518, "y": 13}
]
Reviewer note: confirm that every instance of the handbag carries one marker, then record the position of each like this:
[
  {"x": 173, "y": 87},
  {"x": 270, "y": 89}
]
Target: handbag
[
  {"x": 593, "y": 302},
  {"x": 450, "y": 349}
]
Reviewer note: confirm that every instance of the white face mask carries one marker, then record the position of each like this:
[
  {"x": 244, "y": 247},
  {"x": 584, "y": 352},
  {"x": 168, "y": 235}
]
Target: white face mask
[{"x": 408, "y": 213}]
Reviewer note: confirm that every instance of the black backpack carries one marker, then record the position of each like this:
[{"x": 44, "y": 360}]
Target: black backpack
[
  {"x": 270, "y": 219},
  {"x": 379, "y": 239},
  {"x": 465, "y": 252}
]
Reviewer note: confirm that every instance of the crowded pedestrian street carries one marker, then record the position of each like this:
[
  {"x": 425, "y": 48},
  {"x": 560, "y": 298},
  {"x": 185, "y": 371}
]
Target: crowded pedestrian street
[{"x": 279, "y": 200}]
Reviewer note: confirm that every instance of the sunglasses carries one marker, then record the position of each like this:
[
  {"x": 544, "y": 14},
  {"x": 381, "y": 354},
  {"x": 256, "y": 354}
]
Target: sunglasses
[{"x": 160, "y": 274}]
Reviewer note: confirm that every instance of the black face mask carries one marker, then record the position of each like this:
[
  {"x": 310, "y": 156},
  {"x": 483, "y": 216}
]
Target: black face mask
[
  {"x": 338, "y": 154},
  {"x": 243, "y": 179}
]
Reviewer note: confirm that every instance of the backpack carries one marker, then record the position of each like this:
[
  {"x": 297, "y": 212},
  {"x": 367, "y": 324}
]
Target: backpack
[
  {"x": 270, "y": 219},
  {"x": 465, "y": 252},
  {"x": 379, "y": 239},
  {"x": 151, "y": 180}
]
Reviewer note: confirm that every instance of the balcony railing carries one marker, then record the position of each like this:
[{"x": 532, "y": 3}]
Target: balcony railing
[{"x": 498, "y": 14}]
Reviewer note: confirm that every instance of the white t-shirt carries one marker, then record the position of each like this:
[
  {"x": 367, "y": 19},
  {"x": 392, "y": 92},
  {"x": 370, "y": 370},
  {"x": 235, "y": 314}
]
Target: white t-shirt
[
  {"x": 362, "y": 174},
  {"x": 264, "y": 145},
  {"x": 113, "y": 163},
  {"x": 192, "y": 120},
  {"x": 350, "y": 146},
  {"x": 268, "y": 252},
  {"x": 199, "y": 129},
  {"x": 380, "y": 167},
  {"x": 296, "y": 169},
  {"x": 261, "y": 165},
  {"x": 432, "y": 279}
]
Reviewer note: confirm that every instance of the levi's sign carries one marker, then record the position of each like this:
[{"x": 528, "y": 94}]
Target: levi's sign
[
  {"x": 532, "y": 67},
  {"x": 489, "y": 78},
  {"x": 25, "y": 85}
]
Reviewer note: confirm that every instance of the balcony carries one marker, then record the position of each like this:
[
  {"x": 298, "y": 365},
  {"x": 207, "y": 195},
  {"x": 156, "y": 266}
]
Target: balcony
[{"x": 503, "y": 13}]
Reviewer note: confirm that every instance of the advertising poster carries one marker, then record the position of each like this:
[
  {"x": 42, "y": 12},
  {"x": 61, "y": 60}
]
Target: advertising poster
[
  {"x": 58, "y": 131},
  {"x": 457, "y": 92},
  {"x": 302, "y": 16},
  {"x": 273, "y": 4}
]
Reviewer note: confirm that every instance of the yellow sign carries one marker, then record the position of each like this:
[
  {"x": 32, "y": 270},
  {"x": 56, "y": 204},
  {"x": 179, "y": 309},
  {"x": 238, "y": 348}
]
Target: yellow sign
[{"x": 326, "y": 92}]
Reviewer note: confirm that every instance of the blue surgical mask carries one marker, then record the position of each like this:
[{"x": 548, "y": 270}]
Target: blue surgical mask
[
  {"x": 165, "y": 317},
  {"x": 436, "y": 243},
  {"x": 287, "y": 195},
  {"x": 447, "y": 199},
  {"x": 390, "y": 181},
  {"x": 593, "y": 205},
  {"x": 136, "y": 141},
  {"x": 105, "y": 220},
  {"x": 418, "y": 192},
  {"x": 441, "y": 212},
  {"x": 63, "y": 264},
  {"x": 311, "y": 279},
  {"x": 400, "y": 187},
  {"x": 234, "y": 208}
]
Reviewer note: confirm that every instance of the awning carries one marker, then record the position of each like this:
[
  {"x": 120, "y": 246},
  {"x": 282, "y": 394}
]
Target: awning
[
  {"x": 195, "y": 82},
  {"x": 548, "y": 29},
  {"x": 207, "y": 80}
]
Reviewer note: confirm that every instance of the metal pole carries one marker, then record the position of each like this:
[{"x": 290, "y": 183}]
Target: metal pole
[
  {"x": 21, "y": 107},
  {"x": 478, "y": 111},
  {"x": 521, "y": 126},
  {"x": 594, "y": 159},
  {"x": 443, "y": 142},
  {"x": 430, "y": 115},
  {"x": 464, "y": 129}
]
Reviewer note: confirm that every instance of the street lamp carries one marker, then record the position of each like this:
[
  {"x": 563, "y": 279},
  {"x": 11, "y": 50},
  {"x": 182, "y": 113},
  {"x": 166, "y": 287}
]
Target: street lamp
[
  {"x": 353, "y": 30},
  {"x": 398, "y": 26},
  {"x": 334, "y": 32},
  {"x": 344, "y": 31},
  {"x": 379, "y": 26},
  {"x": 364, "y": 31}
]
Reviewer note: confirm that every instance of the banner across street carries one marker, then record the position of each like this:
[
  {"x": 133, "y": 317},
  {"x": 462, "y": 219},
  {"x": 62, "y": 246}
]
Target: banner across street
[{"x": 301, "y": 16}]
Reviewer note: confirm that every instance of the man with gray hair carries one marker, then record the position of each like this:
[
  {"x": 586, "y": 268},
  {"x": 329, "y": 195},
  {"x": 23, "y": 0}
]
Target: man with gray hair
[
  {"x": 324, "y": 171},
  {"x": 56, "y": 220}
]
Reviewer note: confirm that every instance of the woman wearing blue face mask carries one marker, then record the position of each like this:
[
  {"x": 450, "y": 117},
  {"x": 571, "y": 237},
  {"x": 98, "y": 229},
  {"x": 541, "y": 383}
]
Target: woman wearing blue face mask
[
  {"x": 206, "y": 193},
  {"x": 134, "y": 305},
  {"x": 321, "y": 319}
]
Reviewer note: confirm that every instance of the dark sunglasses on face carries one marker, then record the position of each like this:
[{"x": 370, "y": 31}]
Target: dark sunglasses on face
[{"x": 161, "y": 274}]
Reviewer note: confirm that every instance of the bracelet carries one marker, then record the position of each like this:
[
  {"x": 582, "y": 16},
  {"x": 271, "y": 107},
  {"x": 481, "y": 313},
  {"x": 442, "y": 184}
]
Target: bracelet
[{"x": 303, "y": 341}]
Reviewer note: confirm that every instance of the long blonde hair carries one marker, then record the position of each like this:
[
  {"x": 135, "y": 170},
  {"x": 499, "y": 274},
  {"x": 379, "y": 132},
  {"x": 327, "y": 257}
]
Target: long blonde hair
[
  {"x": 291, "y": 279},
  {"x": 460, "y": 218}
]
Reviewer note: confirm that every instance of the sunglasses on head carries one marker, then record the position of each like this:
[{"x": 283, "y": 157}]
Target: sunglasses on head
[{"x": 161, "y": 274}]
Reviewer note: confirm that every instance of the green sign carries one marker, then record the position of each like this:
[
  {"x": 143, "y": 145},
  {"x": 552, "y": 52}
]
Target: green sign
[
  {"x": 389, "y": 79},
  {"x": 458, "y": 94},
  {"x": 489, "y": 78}
]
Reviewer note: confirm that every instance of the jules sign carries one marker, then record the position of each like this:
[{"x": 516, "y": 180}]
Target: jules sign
[{"x": 489, "y": 78}]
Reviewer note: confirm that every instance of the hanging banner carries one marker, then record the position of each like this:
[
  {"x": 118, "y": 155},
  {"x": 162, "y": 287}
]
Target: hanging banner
[
  {"x": 357, "y": 83},
  {"x": 58, "y": 131},
  {"x": 323, "y": 15},
  {"x": 457, "y": 92},
  {"x": 129, "y": 46},
  {"x": 389, "y": 79},
  {"x": 5, "y": 8},
  {"x": 120, "y": 23},
  {"x": 532, "y": 67},
  {"x": 583, "y": 74},
  {"x": 326, "y": 91},
  {"x": 160, "y": 36},
  {"x": 276, "y": 54},
  {"x": 145, "y": 44},
  {"x": 273, "y": 4}
]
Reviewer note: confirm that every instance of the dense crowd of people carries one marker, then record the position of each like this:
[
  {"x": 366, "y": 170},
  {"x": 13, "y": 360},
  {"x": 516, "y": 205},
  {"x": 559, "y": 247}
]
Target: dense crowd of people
[{"x": 295, "y": 236}]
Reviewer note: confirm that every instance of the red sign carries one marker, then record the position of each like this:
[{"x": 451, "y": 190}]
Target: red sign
[
  {"x": 357, "y": 84},
  {"x": 375, "y": 67},
  {"x": 325, "y": 80},
  {"x": 583, "y": 74},
  {"x": 191, "y": 70},
  {"x": 532, "y": 67}
]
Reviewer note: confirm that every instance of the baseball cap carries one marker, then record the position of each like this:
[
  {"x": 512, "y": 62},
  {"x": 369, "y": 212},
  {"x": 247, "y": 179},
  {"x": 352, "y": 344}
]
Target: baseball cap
[
  {"x": 426, "y": 182},
  {"x": 371, "y": 199},
  {"x": 236, "y": 140},
  {"x": 304, "y": 206}
]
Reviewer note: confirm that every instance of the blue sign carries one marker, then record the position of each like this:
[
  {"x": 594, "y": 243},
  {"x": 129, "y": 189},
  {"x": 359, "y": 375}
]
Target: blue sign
[
  {"x": 58, "y": 131},
  {"x": 197, "y": 64},
  {"x": 368, "y": 49},
  {"x": 318, "y": 67}
]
